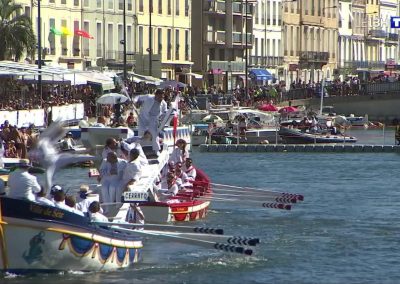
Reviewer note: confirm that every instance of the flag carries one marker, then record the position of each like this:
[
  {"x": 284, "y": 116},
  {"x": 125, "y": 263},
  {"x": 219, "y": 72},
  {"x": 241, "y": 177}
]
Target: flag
[
  {"x": 65, "y": 31},
  {"x": 175, "y": 126},
  {"x": 83, "y": 33},
  {"x": 53, "y": 30}
]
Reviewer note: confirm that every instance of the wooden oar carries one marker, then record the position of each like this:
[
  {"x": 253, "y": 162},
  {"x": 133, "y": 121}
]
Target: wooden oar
[
  {"x": 256, "y": 197},
  {"x": 191, "y": 241},
  {"x": 283, "y": 194},
  {"x": 182, "y": 229},
  {"x": 265, "y": 204},
  {"x": 255, "y": 193}
]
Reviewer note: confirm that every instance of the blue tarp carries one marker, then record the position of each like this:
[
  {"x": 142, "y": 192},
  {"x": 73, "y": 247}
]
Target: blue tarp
[{"x": 260, "y": 74}]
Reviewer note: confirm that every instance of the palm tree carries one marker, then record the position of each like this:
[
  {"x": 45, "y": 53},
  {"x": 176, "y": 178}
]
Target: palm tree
[{"x": 16, "y": 33}]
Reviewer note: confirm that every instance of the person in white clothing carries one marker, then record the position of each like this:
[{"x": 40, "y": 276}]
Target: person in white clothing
[
  {"x": 172, "y": 188},
  {"x": 83, "y": 202},
  {"x": 70, "y": 201},
  {"x": 152, "y": 108},
  {"x": 41, "y": 198},
  {"x": 132, "y": 171},
  {"x": 94, "y": 212},
  {"x": 22, "y": 184},
  {"x": 180, "y": 175},
  {"x": 134, "y": 143},
  {"x": 111, "y": 171},
  {"x": 59, "y": 201},
  {"x": 190, "y": 170},
  {"x": 180, "y": 153},
  {"x": 112, "y": 146},
  {"x": 135, "y": 214}
]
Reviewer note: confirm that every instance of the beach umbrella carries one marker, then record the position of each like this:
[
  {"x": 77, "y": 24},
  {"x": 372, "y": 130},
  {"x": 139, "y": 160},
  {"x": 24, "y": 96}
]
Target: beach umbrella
[
  {"x": 288, "y": 109},
  {"x": 268, "y": 107},
  {"x": 112, "y": 99},
  {"x": 172, "y": 84},
  {"x": 212, "y": 118}
]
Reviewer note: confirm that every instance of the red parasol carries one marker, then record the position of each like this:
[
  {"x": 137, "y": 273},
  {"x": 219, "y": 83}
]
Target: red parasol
[
  {"x": 268, "y": 107},
  {"x": 288, "y": 109}
]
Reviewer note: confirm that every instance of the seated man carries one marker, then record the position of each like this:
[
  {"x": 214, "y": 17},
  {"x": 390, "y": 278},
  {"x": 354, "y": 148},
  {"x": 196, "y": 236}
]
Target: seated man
[
  {"x": 68, "y": 142},
  {"x": 190, "y": 170},
  {"x": 22, "y": 184},
  {"x": 41, "y": 198},
  {"x": 172, "y": 188},
  {"x": 132, "y": 171},
  {"x": 94, "y": 213}
]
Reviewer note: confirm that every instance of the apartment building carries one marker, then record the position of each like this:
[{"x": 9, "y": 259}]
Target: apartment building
[
  {"x": 267, "y": 51},
  {"x": 59, "y": 20},
  {"x": 223, "y": 32},
  {"x": 310, "y": 39},
  {"x": 164, "y": 35}
]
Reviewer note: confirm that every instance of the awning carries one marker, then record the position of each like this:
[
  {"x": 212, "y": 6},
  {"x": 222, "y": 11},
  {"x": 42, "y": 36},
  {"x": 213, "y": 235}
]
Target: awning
[
  {"x": 195, "y": 75},
  {"x": 260, "y": 74}
]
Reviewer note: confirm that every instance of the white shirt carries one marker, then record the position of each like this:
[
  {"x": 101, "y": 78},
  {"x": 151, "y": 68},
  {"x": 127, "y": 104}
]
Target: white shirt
[
  {"x": 44, "y": 201},
  {"x": 191, "y": 173},
  {"x": 106, "y": 168},
  {"x": 146, "y": 103},
  {"x": 107, "y": 150},
  {"x": 178, "y": 157},
  {"x": 132, "y": 171},
  {"x": 23, "y": 185},
  {"x": 98, "y": 217},
  {"x": 128, "y": 146},
  {"x": 83, "y": 205}
]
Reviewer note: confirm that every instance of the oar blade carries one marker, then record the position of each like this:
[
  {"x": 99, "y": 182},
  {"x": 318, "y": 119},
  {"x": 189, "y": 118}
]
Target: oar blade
[
  {"x": 277, "y": 206},
  {"x": 235, "y": 249}
]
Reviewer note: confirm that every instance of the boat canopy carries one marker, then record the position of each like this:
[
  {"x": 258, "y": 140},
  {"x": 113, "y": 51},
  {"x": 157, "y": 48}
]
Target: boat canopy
[{"x": 260, "y": 74}]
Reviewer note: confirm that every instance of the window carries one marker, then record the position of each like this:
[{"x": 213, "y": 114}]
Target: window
[
  {"x": 86, "y": 3},
  {"x": 159, "y": 39},
  {"x": 120, "y": 38},
  {"x": 52, "y": 1},
  {"x": 110, "y": 46},
  {"x": 52, "y": 38},
  {"x": 130, "y": 7},
  {"x": 110, "y": 4},
  {"x": 27, "y": 11},
  {"x": 99, "y": 37},
  {"x": 169, "y": 10},
  {"x": 140, "y": 41},
  {"x": 86, "y": 40},
  {"x": 274, "y": 13},
  {"x": 98, "y": 3},
  {"x": 187, "y": 46},
  {"x": 64, "y": 49},
  {"x": 169, "y": 49},
  {"x": 187, "y": 8},
  {"x": 177, "y": 45},
  {"x": 121, "y": 4},
  {"x": 129, "y": 39},
  {"x": 64, "y": 2},
  {"x": 268, "y": 13},
  {"x": 141, "y": 6},
  {"x": 177, "y": 7},
  {"x": 160, "y": 6},
  {"x": 76, "y": 51},
  {"x": 76, "y": 2}
]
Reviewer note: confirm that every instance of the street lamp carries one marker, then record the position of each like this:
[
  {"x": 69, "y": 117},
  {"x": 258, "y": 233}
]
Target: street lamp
[
  {"x": 124, "y": 16},
  {"x": 150, "y": 39},
  {"x": 39, "y": 63}
]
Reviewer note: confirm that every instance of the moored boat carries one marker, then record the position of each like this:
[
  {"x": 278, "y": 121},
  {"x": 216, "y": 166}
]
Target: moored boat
[{"x": 298, "y": 136}]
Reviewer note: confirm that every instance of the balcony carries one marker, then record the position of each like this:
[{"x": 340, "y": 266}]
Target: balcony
[
  {"x": 215, "y": 6},
  {"x": 364, "y": 64},
  {"x": 377, "y": 34},
  {"x": 392, "y": 39},
  {"x": 359, "y": 3},
  {"x": 266, "y": 61},
  {"x": 314, "y": 56},
  {"x": 238, "y": 38},
  {"x": 239, "y": 9},
  {"x": 118, "y": 55},
  {"x": 231, "y": 66},
  {"x": 216, "y": 37}
]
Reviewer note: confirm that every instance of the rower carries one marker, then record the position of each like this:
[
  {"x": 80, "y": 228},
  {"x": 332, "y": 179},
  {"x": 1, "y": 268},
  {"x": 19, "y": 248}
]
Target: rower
[
  {"x": 190, "y": 170},
  {"x": 172, "y": 187}
]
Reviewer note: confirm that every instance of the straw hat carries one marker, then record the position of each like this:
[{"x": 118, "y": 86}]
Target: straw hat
[{"x": 84, "y": 188}]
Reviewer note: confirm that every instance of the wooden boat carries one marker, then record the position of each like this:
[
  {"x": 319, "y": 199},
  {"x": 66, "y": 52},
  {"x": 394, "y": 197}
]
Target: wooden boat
[
  {"x": 40, "y": 238},
  {"x": 298, "y": 136}
]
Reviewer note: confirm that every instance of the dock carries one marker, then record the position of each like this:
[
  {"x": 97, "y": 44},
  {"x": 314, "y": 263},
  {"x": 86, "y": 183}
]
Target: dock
[{"x": 299, "y": 148}]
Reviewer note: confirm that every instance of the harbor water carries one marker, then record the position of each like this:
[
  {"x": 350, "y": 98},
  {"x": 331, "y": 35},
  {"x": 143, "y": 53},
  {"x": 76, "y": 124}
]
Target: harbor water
[{"x": 345, "y": 231}]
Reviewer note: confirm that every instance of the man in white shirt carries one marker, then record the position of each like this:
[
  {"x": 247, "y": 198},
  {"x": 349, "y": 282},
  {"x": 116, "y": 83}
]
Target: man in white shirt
[
  {"x": 41, "y": 198},
  {"x": 111, "y": 171},
  {"x": 22, "y": 184},
  {"x": 152, "y": 108},
  {"x": 132, "y": 171},
  {"x": 190, "y": 170},
  {"x": 94, "y": 211}
]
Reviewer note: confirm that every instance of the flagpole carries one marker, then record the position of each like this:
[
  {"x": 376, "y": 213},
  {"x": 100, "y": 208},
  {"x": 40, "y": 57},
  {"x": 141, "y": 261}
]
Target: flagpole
[{"x": 39, "y": 63}]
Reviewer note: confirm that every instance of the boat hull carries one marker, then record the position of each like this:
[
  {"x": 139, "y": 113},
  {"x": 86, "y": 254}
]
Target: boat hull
[
  {"x": 295, "y": 136},
  {"x": 43, "y": 243}
]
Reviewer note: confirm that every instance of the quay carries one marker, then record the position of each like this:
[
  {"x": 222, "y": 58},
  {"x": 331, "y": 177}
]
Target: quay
[{"x": 303, "y": 148}]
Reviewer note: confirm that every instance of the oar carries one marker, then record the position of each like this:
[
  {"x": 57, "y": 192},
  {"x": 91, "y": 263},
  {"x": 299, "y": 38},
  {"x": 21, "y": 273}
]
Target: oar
[
  {"x": 265, "y": 205},
  {"x": 298, "y": 196},
  {"x": 256, "y": 193},
  {"x": 191, "y": 241},
  {"x": 257, "y": 197},
  {"x": 183, "y": 229}
]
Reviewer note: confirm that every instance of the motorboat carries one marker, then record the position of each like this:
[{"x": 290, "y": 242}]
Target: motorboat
[{"x": 305, "y": 136}]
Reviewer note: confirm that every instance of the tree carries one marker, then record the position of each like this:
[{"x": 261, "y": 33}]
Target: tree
[{"x": 16, "y": 33}]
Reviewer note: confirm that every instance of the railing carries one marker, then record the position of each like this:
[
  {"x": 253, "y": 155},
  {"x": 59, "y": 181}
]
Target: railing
[
  {"x": 314, "y": 56},
  {"x": 233, "y": 66},
  {"x": 377, "y": 33},
  {"x": 237, "y": 38},
  {"x": 359, "y": 2},
  {"x": 215, "y": 6},
  {"x": 364, "y": 64},
  {"x": 216, "y": 37},
  {"x": 267, "y": 61},
  {"x": 86, "y": 52}
]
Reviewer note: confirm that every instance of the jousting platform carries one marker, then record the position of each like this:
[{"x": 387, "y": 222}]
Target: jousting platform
[{"x": 300, "y": 148}]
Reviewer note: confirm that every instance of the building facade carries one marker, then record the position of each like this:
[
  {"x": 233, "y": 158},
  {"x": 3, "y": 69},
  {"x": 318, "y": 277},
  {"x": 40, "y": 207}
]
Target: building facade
[
  {"x": 310, "y": 36},
  {"x": 267, "y": 51},
  {"x": 223, "y": 34},
  {"x": 169, "y": 42}
]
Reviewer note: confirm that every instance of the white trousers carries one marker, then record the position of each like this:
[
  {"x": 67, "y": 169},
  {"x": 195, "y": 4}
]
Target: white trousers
[
  {"x": 150, "y": 125},
  {"x": 109, "y": 188}
]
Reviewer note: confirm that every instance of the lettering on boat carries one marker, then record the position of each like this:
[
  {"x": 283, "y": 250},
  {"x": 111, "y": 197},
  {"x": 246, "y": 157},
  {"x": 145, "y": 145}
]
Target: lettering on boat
[
  {"x": 49, "y": 212},
  {"x": 180, "y": 209},
  {"x": 136, "y": 196}
]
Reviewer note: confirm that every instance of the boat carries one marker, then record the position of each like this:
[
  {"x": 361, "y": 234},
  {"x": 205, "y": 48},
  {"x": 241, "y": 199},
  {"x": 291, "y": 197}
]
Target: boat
[
  {"x": 199, "y": 134},
  {"x": 301, "y": 136},
  {"x": 39, "y": 238}
]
